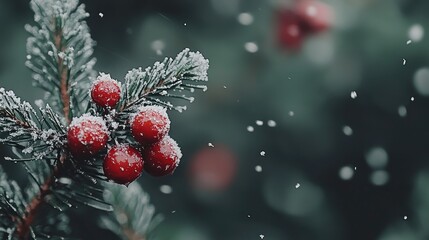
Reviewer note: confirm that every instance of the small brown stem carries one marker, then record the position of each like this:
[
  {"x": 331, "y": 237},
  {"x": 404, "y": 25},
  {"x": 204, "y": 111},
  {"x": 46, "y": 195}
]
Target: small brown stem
[
  {"x": 63, "y": 74},
  {"x": 131, "y": 235},
  {"x": 24, "y": 223}
]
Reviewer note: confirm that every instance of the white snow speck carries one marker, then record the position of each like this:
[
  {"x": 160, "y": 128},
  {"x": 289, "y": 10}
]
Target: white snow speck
[
  {"x": 402, "y": 111},
  {"x": 297, "y": 185},
  {"x": 245, "y": 18},
  {"x": 347, "y": 130},
  {"x": 412, "y": 99},
  {"x": 173, "y": 211},
  {"x": 421, "y": 81},
  {"x": 259, "y": 122},
  {"x": 271, "y": 123},
  {"x": 404, "y": 61},
  {"x": 353, "y": 94},
  {"x": 248, "y": 216},
  {"x": 224, "y": 87},
  {"x": 251, "y": 47},
  {"x": 405, "y": 217},
  {"x": 416, "y": 33},
  {"x": 261, "y": 236},
  {"x": 379, "y": 178},
  {"x": 101, "y": 15},
  {"x": 250, "y": 129},
  {"x": 258, "y": 168},
  {"x": 346, "y": 173},
  {"x": 39, "y": 103},
  {"x": 291, "y": 113},
  {"x": 158, "y": 46},
  {"x": 166, "y": 189},
  {"x": 377, "y": 157},
  {"x": 210, "y": 145},
  {"x": 185, "y": 24},
  {"x": 262, "y": 153},
  {"x": 409, "y": 42}
]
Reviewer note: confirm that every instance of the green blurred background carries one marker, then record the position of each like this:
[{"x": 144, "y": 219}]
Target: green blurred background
[{"x": 335, "y": 167}]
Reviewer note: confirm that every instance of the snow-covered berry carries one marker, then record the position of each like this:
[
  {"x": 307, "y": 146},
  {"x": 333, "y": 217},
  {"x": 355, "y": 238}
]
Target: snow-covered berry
[
  {"x": 123, "y": 164},
  {"x": 162, "y": 158},
  {"x": 105, "y": 91},
  {"x": 87, "y": 135},
  {"x": 317, "y": 15},
  {"x": 150, "y": 124},
  {"x": 290, "y": 29}
]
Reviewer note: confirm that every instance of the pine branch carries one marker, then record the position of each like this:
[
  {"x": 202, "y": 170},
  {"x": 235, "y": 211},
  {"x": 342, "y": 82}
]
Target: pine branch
[
  {"x": 36, "y": 135},
  {"x": 163, "y": 81},
  {"x": 133, "y": 215},
  {"x": 59, "y": 34},
  {"x": 60, "y": 54}
]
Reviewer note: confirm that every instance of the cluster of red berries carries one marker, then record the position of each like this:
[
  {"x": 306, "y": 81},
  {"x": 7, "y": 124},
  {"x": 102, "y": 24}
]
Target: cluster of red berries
[
  {"x": 158, "y": 154},
  {"x": 305, "y": 17}
]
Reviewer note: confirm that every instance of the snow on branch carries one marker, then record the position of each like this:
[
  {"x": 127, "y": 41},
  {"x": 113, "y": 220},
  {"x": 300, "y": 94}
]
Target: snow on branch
[
  {"x": 166, "y": 79},
  {"x": 36, "y": 135},
  {"x": 60, "y": 52}
]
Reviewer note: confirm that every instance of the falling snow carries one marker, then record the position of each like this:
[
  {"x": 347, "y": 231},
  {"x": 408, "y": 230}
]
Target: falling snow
[
  {"x": 271, "y": 123},
  {"x": 402, "y": 111},
  {"x": 250, "y": 129},
  {"x": 166, "y": 189},
  {"x": 251, "y": 47},
  {"x": 245, "y": 18},
  {"x": 346, "y": 173},
  {"x": 353, "y": 94},
  {"x": 258, "y": 168},
  {"x": 347, "y": 130}
]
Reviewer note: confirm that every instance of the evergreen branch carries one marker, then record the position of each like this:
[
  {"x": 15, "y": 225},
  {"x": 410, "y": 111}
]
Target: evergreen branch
[
  {"x": 133, "y": 215},
  {"x": 154, "y": 84},
  {"x": 38, "y": 135},
  {"x": 60, "y": 54}
]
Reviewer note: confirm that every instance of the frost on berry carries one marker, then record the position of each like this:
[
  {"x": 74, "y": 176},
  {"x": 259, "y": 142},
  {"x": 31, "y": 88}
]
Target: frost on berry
[
  {"x": 163, "y": 157},
  {"x": 87, "y": 135},
  {"x": 123, "y": 164},
  {"x": 105, "y": 91},
  {"x": 150, "y": 124}
]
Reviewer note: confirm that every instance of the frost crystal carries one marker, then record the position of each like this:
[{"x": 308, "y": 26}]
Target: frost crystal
[{"x": 164, "y": 77}]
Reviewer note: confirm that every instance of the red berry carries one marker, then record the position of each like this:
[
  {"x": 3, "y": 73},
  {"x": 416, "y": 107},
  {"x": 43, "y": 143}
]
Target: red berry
[
  {"x": 318, "y": 16},
  {"x": 105, "y": 91},
  {"x": 290, "y": 29},
  {"x": 87, "y": 135},
  {"x": 162, "y": 158},
  {"x": 123, "y": 164},
  {"x": 150, "y": 124}
]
